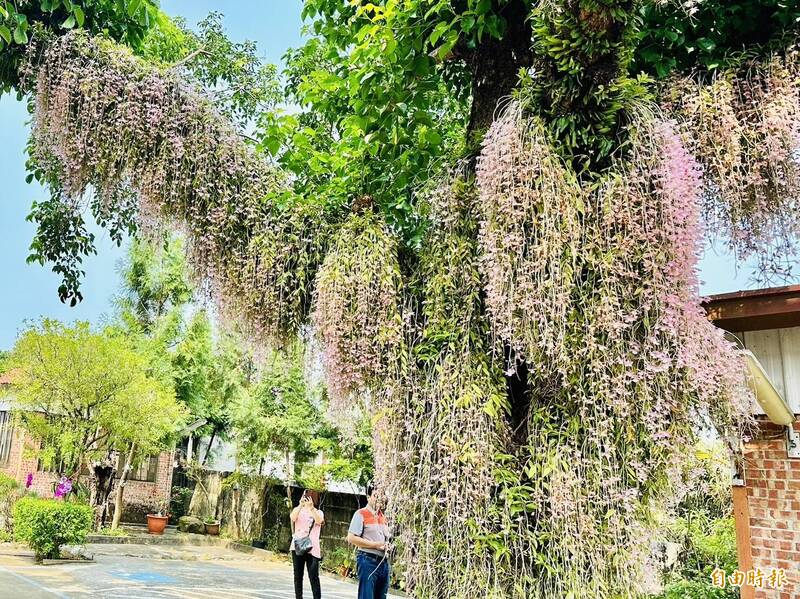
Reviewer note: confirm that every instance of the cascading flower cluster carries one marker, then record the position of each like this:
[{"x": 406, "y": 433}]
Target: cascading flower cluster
[
  {"x": 530, "y": 231},
  {"x": 277, "y": 269},
  {"x": 114, "y": 126},
  {"x": 744, "y": 127},
  {"x": 357, "y": 306},
  {"x": 628, "y": 369},
  {"x": 444, "y": 415}
]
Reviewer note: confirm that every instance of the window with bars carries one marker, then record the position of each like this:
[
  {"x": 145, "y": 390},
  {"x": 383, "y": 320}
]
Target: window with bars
[
  {"x": 6, "y": 436},
  {"x": 146, "y": 471},
  {"x": 59, "y": 466}
]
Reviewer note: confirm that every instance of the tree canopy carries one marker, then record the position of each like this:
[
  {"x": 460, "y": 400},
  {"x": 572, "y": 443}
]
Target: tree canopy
[
  {"x": 283, "y": 417},
  {"x": 82, "y": 394}
]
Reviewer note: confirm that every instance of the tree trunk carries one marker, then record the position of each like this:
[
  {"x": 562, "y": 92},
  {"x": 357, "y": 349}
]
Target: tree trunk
[
  {"x": 123, "y": 479},
  {"x": 210, "y": 443},
  {"x": 289, "y": 479},
  {"x": 103, "y": 483},
  {"x": 494, "y": 65}
]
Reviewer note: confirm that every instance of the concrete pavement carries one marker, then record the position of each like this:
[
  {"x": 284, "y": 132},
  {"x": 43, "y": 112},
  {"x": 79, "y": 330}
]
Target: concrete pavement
[{"x": 150, "y": 572}]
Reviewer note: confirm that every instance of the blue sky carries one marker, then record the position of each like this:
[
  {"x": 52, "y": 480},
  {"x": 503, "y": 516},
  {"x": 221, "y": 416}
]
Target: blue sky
[{"x": 30, "y": 291}]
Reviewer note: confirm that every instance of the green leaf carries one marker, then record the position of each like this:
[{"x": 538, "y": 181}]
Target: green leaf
[
  {"x": 706, "y": 44},
  {"x": 432, "y": 137},
  {"x": 79, "y": 16},
  {"x": 69, "y": 22},
  {"x": 20, "y": 36},
  {"x": 133, "y": 7},
  {"x": 438, "y": 31},
  {"x": 5, "y": 33},
  {"x": 467, "y": 23}
]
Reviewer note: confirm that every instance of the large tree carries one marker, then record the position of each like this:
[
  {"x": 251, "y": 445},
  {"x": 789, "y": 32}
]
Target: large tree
[
  {"x": 493, "y": 227},
  {"x": 86, "y": 397}
]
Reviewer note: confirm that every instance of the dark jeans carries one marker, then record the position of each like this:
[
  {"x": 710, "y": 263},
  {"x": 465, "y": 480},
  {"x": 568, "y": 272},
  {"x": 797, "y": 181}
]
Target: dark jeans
[
  {"x": 373, "y": 576},
  {"x": 312, "y": 564}
]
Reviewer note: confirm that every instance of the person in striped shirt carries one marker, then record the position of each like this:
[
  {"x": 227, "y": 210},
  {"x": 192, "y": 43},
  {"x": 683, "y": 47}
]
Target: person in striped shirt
[{"x": 370, "y": 534}]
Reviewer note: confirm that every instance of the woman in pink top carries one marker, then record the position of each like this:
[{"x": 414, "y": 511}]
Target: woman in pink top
[{"x": 307, "y": 520}]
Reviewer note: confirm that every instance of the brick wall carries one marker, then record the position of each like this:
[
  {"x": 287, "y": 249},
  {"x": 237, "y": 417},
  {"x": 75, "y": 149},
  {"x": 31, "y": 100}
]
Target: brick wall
[
  {"x": 140, "y": 496},
  {"x": 771, "y": 510},
  {"x": 19, "y": 465}
]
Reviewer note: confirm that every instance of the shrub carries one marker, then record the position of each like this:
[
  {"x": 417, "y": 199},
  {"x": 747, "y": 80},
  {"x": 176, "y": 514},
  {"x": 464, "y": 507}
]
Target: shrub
[
  {"x": 708, "y": 543},
  {"x": 10, "y": 491},
  {"x": 7, "y": 485},
  {"x": 692, "y": 589},
  {"x": 47, "y": 524},
  {"x": 179, "y": 502},
  {"x": 337, "y": 558},
  {"x": 714, "y": 546}
]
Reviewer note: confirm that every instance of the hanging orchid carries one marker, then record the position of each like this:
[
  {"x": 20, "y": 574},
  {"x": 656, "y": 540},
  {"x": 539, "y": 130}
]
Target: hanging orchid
[
  {"x": 744, "y": 127},
  {"x": 109, "y": 126},
  {"x": 357, "y": 312}
]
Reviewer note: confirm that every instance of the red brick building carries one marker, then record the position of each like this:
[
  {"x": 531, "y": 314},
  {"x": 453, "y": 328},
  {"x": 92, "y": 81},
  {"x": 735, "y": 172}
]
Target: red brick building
[
  {"x": 767, "y": 495},
  {"x": 148, "y": 487}
]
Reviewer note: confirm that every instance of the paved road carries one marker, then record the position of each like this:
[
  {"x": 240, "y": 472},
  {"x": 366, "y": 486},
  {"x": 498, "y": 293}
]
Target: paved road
[{"x": 146, "y": 571}]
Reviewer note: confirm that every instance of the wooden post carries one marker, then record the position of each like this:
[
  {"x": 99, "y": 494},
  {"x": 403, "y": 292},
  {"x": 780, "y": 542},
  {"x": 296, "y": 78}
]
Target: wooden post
[{"x": 744, "y": 550}]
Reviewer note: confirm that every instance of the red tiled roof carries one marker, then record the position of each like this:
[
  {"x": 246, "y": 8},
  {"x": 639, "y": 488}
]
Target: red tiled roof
[{"x": 8, "y": 378}]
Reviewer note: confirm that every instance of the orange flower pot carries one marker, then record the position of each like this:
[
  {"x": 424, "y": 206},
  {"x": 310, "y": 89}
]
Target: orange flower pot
[{"x": 156, "y": 524}]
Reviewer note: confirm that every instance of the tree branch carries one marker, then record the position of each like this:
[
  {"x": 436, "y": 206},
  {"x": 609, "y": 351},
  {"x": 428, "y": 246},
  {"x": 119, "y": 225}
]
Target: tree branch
[{"x": 189, "y": 57}]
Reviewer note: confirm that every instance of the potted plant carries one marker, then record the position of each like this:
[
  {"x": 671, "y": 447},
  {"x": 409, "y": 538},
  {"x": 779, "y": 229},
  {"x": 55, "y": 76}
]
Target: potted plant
[
  {"x": 212, "y": 526},
  {"x": 156, "y": 523},
  {"x": 340, "y": 561},
  {"x": 346, "y": 568}
]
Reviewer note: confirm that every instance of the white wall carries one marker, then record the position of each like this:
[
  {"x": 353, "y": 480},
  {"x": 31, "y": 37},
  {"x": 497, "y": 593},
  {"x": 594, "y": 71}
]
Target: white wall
[{"x": 778, "y": 350}]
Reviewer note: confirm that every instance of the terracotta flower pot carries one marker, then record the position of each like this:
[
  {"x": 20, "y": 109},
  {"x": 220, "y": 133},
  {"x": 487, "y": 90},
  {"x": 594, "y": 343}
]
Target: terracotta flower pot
[
  {"x": 156, "y": 524},
  {"x": 212, "y": 529}
]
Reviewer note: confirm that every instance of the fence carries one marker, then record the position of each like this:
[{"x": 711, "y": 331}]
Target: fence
[{"x": 256, "y": 508}]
